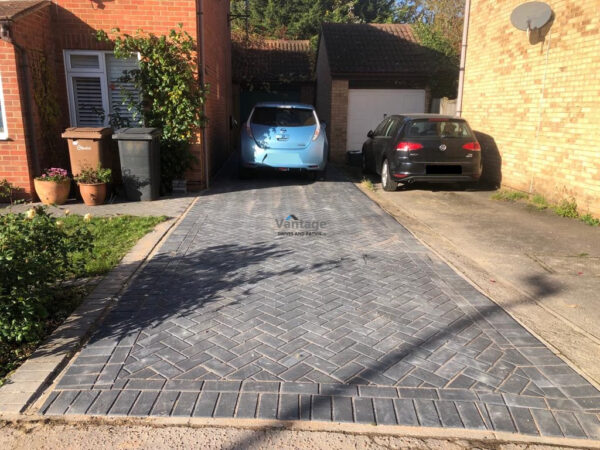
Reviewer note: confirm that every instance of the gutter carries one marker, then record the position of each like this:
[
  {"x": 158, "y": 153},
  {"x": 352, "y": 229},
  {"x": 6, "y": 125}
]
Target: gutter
[
  {"x": 202, "y": 69},
  {"x": 24, "y": 76},
  {"x": 463, "y": 59}
]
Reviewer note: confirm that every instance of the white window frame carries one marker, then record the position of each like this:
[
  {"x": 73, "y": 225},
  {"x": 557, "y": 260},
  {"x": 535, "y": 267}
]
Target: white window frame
[
  {"x": 3, "y": 134},
  {"x": 71, "y": 73}
]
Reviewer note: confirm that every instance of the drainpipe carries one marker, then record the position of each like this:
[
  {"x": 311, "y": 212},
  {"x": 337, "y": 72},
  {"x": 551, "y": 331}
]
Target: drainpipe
[
  {"x": 463, "y": 58},
  {"x": 23, "y": 75},
  {"x": 202, "y": 64}
]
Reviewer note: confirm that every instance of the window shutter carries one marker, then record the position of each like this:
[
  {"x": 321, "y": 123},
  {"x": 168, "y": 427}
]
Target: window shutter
[
  {"x": 85, "y": 62},
  {"x": 87, "y": 92},
  {"x": 119, "y": 93}
]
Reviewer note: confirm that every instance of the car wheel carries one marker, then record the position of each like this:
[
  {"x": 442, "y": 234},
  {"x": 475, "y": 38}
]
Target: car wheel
[{"x": 386, "y": 180}]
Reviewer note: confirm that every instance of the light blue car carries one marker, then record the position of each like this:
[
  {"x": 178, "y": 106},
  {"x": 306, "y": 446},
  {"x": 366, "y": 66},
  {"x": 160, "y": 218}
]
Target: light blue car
[{"x": 283, "y": 136}]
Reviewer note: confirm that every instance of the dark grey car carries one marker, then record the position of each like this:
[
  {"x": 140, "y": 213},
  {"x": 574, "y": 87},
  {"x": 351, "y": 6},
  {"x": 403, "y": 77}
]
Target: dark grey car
[{"x": 422, "y": 147}]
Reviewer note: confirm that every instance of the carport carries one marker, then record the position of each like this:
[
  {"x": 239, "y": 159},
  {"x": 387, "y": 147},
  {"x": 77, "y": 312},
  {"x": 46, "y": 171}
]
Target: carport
[
  {"x": 271, "y": 70},
  {"x": 366, "y": 72}
]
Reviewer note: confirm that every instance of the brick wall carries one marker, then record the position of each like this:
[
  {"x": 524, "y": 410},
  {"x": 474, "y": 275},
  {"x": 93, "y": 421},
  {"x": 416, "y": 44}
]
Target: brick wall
[
  {"x": 217, "y": 47},
  {"x": 17, "y": 157},
  {"x": 339, "y": 120},
  {"x": 71, "y": 25},
  {"x": 77, "y": 20},
  {"x": 536, "y": 99}
]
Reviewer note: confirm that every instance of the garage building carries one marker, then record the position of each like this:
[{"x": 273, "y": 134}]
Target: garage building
[{"x": 365, "y": 72}]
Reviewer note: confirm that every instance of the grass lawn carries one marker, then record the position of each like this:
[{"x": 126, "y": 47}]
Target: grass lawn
[{"x": 113, "y": 237}]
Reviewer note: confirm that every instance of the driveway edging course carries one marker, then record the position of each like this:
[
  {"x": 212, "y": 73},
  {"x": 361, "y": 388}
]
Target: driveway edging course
[
  {"x": 29, "y": 382},
  {"x": 446, "y": 434}
]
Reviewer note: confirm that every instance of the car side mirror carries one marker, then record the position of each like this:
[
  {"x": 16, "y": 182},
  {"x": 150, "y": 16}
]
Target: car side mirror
[
  {"x": 323, "y": 124},
  {"x": 370, "y": 134}
]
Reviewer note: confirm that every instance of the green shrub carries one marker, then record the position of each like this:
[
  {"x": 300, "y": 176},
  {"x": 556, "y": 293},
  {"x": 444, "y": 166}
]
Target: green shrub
[
  {"x": 590, "y": 220},
  {"x": 9, "y": 191},
  {"x": 35, "y": 251},
  {"x": 173, "y": 94},
  {"x": 567, "y": 208}
]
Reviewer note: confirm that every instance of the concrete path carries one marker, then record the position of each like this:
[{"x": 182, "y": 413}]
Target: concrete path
[{"x": 244, "y": 314}]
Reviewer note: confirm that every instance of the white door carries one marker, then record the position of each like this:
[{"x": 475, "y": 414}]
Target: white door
[{"x": 368, "y": 107}]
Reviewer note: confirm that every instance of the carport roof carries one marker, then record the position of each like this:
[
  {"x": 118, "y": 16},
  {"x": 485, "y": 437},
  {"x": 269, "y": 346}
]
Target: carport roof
[
  {"x": 12, "y": 9},
  {"x": 272, "y": 61},
  {"x": 376, "y": 49}
]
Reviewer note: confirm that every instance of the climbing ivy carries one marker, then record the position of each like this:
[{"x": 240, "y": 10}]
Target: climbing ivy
[{"x": 172, "y": 94}]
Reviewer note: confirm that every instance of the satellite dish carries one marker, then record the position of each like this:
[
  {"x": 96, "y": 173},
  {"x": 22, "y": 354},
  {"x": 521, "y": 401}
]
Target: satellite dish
[{"x": 531, "y": 16}]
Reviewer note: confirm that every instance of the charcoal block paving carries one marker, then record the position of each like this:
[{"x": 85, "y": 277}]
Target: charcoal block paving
[{"x": 242, "y": 312}]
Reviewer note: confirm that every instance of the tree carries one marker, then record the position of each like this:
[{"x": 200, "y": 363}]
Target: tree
[
  {"x": 301, "y": 19},
  {"x": 445, "y": 17}
]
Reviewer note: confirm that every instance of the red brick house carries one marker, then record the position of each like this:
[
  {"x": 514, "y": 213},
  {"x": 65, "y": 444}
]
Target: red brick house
[{"x": 52, "y": 69}]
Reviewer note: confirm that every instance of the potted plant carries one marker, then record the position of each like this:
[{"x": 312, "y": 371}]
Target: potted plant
[
  {"x": 180, "y": 161},
  {"x": 53, "y": 186},
  {"x": 92, "y": 185}
]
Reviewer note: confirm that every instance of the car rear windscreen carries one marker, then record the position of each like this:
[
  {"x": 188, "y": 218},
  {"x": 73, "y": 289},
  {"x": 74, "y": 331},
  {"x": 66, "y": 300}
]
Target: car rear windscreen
[
  {"x": 438, "y": 128},
  {"x": 283, "y": 117}
]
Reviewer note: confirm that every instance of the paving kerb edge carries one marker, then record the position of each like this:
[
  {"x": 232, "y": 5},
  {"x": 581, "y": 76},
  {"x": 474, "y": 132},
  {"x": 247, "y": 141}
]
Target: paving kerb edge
[
  {"x": 473, "y": 266},
  {"x": 449, "y": 434},
  {"x": 160, "y": 232}
]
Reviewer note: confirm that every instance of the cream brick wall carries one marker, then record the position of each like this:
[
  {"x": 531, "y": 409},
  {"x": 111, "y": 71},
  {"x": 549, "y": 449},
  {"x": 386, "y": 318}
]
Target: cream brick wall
[
  {"x": 540, "y": 102},
  {"x": 339, "y": 120}
]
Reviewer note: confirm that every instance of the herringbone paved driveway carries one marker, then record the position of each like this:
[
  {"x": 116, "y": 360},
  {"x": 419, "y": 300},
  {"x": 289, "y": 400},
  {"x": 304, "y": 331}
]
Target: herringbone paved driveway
[{"x": 360, "y": 324}]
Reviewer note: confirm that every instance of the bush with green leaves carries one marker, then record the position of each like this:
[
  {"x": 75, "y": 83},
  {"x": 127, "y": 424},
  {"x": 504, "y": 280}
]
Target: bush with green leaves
[
  {"x": 8, "y": 191},
  {"x": 94, "y": 176},
  {"x": 172, "y": 95},
  {"x": 35, "y": 252}
]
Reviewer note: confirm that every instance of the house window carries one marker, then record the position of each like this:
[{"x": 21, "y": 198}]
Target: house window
[
  {"x": 96, "y": 94},
  {"x": 3, "y": 131}
]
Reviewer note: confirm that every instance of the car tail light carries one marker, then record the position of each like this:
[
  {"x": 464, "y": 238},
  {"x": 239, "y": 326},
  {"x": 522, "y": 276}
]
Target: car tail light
[
  {"x": 472, "y": 146},
  {"x": 404, "y": 146},
  {"x": 317, "y": 133}
]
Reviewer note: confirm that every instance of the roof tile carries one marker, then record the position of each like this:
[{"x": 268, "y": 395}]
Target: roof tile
[
  {"x": 376, "y": 49},
  {"x": 11, "y": 9}
]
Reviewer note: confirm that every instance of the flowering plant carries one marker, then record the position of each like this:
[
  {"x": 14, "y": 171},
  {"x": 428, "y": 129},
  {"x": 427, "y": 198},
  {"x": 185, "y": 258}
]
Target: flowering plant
[
  {"x": 94, "y": 176},
  {"x": 55, "y": 174}
]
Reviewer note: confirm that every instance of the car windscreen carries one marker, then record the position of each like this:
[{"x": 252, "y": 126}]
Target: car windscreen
[
  {"x": 441, "y": 128},
  {"x": 283, "y": 117}
]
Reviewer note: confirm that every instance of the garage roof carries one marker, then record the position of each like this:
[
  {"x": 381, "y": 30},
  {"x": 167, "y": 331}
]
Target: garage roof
[
  {"x": 376, "y": 49},
  {"x": 12, "y": 9}
]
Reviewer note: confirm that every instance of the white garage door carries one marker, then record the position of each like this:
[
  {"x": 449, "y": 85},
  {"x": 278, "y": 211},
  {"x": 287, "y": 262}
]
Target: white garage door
[{"x": 368, "y": 107}]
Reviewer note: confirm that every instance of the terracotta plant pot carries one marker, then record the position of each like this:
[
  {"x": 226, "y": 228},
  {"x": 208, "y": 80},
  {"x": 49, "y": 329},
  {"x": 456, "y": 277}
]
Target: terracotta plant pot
[
  {"x": 52, "y": 192},
  {"x": 93, "y": 194}
]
